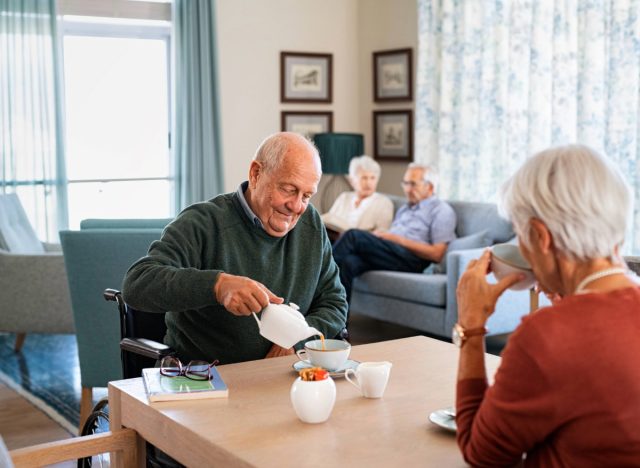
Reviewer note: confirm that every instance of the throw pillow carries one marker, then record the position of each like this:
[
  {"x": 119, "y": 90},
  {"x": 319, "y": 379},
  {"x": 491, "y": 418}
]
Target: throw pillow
[{"x": 477, "y": 240}]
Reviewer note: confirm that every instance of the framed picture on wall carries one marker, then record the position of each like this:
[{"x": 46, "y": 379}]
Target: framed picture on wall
[
  {"x": 305, "y": 77},
  {"x": 392, "y": 75},
  {"x": 307, "y": 123},
  {"x": 393, "y": 135}
]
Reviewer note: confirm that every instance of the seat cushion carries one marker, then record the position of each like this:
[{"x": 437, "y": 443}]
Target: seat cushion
[
  {"x": 413, "y": 287},
  {"x": 16, "y": 234}
]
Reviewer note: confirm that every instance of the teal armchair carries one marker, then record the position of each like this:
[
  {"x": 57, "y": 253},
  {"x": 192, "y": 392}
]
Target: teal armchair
[{"x": 97, "y": 257}]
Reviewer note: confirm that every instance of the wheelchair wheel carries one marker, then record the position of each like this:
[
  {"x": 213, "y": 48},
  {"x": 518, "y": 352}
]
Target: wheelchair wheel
[{"x": 96, "y": 423}]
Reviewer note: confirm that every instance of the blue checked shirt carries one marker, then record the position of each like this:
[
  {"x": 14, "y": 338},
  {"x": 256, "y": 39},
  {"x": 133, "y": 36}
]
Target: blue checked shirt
[{"x": 432, "y": 221}]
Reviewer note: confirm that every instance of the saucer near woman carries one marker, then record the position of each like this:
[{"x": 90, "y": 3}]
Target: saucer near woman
[
  {"x": 363, "y": 208},
  {"x": 567, "y": 392}
]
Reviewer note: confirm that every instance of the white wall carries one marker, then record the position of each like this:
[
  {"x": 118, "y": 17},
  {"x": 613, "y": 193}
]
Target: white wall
[
  {"x": 384, "y": 25},
  {"x": 251, "y": 35}
]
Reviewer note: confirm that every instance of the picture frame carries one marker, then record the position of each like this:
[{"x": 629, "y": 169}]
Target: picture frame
[
  {"x": 306, "y": 123},
  {"x": 393, "y": 75},
  {"x": 306, "y": 77},
  {"x": 393, "y": 135}
]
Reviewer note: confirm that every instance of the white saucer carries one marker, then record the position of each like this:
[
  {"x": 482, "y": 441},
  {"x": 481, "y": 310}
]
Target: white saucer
[
  {"x": 349, "y": 364},
  {"x": 444, "y": 418}
]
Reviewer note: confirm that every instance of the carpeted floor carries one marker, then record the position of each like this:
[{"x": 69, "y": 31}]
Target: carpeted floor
[{"x": 46, "y": 372}]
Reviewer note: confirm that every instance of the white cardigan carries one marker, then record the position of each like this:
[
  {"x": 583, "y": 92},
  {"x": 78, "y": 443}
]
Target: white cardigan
[{"x": 374, "y": 212}]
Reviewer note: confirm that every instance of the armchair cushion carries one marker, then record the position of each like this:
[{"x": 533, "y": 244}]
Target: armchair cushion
[
  {"x": 16, "y": 234},
  {"x": 124, "y": 223}
]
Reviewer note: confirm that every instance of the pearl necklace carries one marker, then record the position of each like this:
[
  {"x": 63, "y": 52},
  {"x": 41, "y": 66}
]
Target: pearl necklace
[{"x": 597, "y": 275}]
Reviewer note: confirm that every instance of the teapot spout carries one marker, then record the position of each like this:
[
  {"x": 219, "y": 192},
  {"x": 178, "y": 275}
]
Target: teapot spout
[{"x": 313, "y": 332}]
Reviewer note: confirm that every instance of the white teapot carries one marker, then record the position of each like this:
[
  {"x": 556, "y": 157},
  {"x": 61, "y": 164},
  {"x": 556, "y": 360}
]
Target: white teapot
[{"x": 283, "y": 325}]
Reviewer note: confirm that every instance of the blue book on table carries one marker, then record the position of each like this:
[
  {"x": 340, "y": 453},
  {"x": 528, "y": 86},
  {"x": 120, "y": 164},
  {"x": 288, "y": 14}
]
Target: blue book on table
[{"x": 162, "y": 388}]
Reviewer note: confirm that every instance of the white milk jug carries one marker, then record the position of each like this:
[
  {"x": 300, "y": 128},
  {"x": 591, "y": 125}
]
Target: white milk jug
[{"x": 283, "y": 325}]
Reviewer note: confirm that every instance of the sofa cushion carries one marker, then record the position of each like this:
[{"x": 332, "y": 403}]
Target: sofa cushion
[
  {"x": 473, "y": 241},
  {"x": 477, "y": 216},
  {"x": 422, "y": 289}
]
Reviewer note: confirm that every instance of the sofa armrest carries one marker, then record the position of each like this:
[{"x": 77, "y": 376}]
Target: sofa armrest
[
  {"x": 36, "y": 292},
  {"x": 457, "y": 262},
  {"x": 50, "y": 247}
]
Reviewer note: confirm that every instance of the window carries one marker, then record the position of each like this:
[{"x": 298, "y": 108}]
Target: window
[{"x": 117, "y": 119}]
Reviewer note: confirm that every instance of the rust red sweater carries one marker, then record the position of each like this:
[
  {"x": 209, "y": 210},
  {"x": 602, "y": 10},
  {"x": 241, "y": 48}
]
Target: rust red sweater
[{"x": 567, "y": 392}]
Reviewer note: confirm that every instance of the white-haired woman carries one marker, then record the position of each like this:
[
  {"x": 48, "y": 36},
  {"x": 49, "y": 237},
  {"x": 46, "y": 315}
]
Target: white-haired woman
[
  {"x": 363, "y": 208},
  {"x": 567, "y": 392}
]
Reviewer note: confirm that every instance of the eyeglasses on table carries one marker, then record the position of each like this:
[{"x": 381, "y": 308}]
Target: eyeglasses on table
[{"x": 196, "y": 370}]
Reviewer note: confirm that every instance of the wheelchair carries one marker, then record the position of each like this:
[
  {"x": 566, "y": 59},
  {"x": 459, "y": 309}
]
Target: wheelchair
[{"x": 141, "y": 335}]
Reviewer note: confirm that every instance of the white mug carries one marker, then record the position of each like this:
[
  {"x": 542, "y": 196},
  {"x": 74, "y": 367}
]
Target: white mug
[
  {"x": 507, "y": 259},
  {"x": 371, "y": 378},
  {"x": 332, "y": 358}
]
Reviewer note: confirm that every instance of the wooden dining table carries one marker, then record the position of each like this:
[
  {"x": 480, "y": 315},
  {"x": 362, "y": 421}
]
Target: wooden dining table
[{"x": 256, "y": 426}]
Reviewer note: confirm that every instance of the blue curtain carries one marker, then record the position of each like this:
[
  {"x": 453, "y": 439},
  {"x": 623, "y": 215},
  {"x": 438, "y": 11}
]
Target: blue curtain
[
  {"x": 499, "y": 80},
  {"x": 196, "y": 149},
  {"x": 31, "y": 115}
]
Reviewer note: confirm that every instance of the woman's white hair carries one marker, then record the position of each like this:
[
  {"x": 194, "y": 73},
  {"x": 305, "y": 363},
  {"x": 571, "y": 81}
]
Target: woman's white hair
[
  {"x": 363, "y": 163},
  {"x": 429, "y": 174},
  {"x": 580, "y": 196},
  {"x": 270, "y": 153}
]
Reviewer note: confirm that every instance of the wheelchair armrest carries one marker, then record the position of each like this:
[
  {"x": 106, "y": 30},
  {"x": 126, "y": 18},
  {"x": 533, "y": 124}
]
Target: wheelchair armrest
[
  {"x": 110, "y": 294},
  {"x": 144, "y": 347}
]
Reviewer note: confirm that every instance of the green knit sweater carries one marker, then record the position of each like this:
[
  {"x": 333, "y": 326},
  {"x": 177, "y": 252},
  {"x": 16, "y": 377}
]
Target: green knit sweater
[{"x": 180, "y": 271}]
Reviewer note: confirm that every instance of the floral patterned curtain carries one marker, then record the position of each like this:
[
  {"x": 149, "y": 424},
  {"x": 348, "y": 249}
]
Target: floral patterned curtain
[{"x": 500, "y": 80}]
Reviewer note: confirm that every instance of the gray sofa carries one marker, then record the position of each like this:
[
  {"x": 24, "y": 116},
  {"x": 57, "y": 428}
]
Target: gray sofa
[{"x": 427, "y": 301}]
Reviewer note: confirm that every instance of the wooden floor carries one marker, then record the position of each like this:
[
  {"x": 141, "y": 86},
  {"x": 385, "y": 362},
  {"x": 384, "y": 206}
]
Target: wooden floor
[{"x": 22, "y": 424}]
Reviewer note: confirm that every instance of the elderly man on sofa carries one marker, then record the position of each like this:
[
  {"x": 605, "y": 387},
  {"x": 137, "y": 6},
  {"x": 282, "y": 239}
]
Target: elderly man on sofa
[{"x": 418, "y": 236}]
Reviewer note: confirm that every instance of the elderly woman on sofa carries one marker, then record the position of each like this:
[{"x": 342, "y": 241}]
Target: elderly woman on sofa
[
  {"x": 363, "y": 208},
  {"x": 567, "y": 392}
]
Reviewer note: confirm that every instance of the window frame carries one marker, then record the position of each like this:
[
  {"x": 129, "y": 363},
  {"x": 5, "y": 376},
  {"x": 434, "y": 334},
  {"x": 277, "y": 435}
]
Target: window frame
[{"x": 90, "y": 26}]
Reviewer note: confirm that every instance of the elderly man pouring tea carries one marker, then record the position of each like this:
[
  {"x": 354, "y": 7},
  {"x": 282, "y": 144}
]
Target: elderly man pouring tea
[{"x": 567, "y": 392}]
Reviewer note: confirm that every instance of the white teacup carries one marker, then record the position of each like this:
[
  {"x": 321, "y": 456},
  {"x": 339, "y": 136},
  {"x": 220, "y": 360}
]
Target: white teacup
[
  {"x": 371, "y": 378},
  {"x": 331, "y": 358},
  {"x": 507, "y": 259}
]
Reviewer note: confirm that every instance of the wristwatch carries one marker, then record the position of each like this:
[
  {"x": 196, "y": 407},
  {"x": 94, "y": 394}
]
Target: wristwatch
[{"x": 459, "y": 334}]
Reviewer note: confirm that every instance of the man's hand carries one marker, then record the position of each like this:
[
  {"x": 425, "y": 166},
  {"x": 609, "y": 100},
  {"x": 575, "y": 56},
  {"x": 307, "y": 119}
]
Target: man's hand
[
  {"x": 277, "y": 351},
  {"x": 432, "y": 252},
  {"x": 241, "y": 295},
  {"x": 386, "y": 235},
  {"x": 476, "y": 297}
]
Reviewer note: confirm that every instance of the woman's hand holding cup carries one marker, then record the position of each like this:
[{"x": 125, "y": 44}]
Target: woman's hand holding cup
[{"x": 476, "y": 296}]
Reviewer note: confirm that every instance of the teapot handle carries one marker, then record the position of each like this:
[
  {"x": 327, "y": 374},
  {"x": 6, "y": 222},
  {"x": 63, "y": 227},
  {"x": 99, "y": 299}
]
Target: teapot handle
[{"x": 257, "y": 319}]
